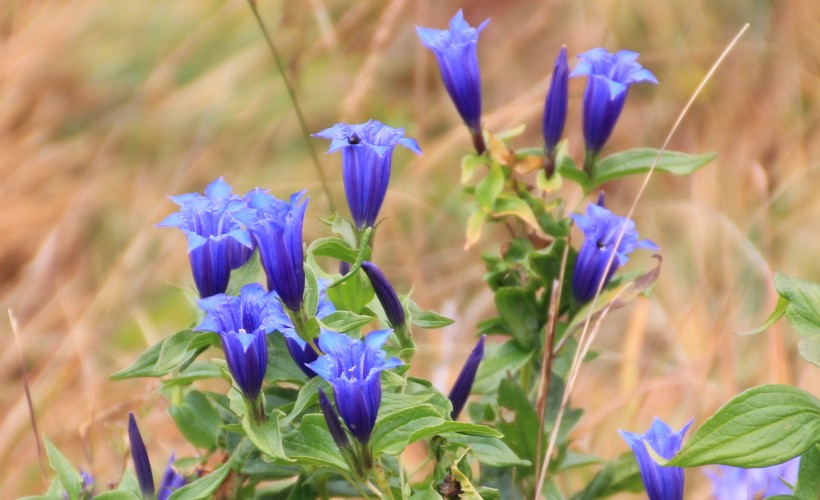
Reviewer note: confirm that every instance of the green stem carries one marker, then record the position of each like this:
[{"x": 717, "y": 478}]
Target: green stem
[
  {"x": 381, "y": 481},
  {"x": 292, "y": 95},
  {"x": 590, "y": 159},
  {"x": 256, "y": 409}
]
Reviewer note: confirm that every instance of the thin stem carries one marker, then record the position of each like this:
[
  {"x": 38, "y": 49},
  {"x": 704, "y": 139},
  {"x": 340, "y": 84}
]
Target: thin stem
[
  {"x": 478, "y": 141},
  {"x": 292, "y": 95},
  {"x": 381, "y": 481}
]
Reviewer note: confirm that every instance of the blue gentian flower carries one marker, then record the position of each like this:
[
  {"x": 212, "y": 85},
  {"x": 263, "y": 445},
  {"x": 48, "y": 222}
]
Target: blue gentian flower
[
  {"x": 367, "y": 155},
  {"x": 735, "y": 483},
  {"x": 217, "y": 242},
  {"x": 455, "y": 51},
  {"x": 171, "y": 479},
  {"x": 555, "y": 105},
  {"x": 601, "y": 229},
  {"x": 610, "y": 76},
  {"x": 464, "y": 383},
  {"x": 353, "y": 367},
  {"x": 661, "y": 483},
  {"x": 276, "y": 226},
  {"x": 279, "y": 320},
  {"x": 386, "y": 294},
  {"x": 242, "y": 323}
]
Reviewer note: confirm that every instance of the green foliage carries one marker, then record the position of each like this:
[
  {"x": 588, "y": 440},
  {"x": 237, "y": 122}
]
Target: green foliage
[
  {"x": 639, "y": 161},
  {"x": 204, "y": 487},
  {"x": 197, "y": 420},
  {"x": 69, "y": 478},
  {"x": 763, "y": 426}
]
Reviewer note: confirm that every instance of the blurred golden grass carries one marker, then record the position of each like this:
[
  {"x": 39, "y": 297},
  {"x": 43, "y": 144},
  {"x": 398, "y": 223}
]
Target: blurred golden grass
[{"x": 107, "y": 107}]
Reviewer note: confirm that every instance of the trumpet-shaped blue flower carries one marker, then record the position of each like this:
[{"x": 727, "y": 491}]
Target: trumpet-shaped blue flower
[
  {"x": 601, "y": 229},
  {"x": 367, "y": 155},
  {"x": 276, "y": 226},
  {"x": 455, "y": 51},
  {"x": 386, "y": 294},
  {"x": 610, "y": 76},
  {"x": 464, "y": 383},
  {"x": 353, "y": 367},
  {"x": 661, "y": 483},
  {"x": 555, "y": 106},
  {"x": 217, "y": 242},
  {"x": 171, "y": 479},
  {"x": 735, "y": 483},
  {"x": 242, "y": 323},
  {"x": 279, "y": 320}
]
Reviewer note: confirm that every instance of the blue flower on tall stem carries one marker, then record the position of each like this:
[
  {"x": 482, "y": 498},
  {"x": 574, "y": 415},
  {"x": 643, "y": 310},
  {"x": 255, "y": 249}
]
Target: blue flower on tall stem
[
  {"x": 601, "y": 229},
  {"x": 353, "y": 367},
  {"x": 661, "y": 483},
  {"x": 276, "y": 226},
  {"x": 171, "y": 479},
  {"x": 367, "y": 155},
  {"x": 242, "y": 323},
  {"x": 555, "y": 105},
  {"x": 217, "y": 242},
  {"x": 610, "y": 76},
  {"x": 455, "y": 51},
  {"x": 301, "y": 351},
  {"x": 735, "y": 483},
  {"x": 464, "y": 383}
]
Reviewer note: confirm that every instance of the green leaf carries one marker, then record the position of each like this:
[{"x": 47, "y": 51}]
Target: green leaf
[
  {"x": 311, "y": 297},
  {"x": 116, "y": 495},
  {"x": 638, "y": 161},
  {"x": 70, "y": 478},
  {"x": 569, "y": 171},
  {"x": 428, "y": 493},
  {"x": 803, "y": 311},
  {"x": 617, "y": 476},
  {"x": 490, "y": 451},
  {"x": 143, "y": 366},
  {"x": 498, "y": 362},
  {"x": 344, "y": 321},
  {"x": 426, "y": 319},
  {"x": 181, "y": 348},
  {"x": 336, "y": 248},
  {"x": 393, "y": 432},
  {"x": 808, "y": 478},
  {"x": 510, "y": 205},
  {"x": 308, "y": 395},
  {"x": 468, "y": 166},
  {"x": 352, "y": 295},
  {"x": 517, "y": 420},
  {"x": 312, "y": 444},
  {"x": 267, "y": 436},
  {"x": 779, "y": 310},
  {"x": 205, "y": 486},
  {"x": 520, "y": 312},
  {"x": 362, "y": 255},
  {"x": 475, "y": 225},
  {"x": 489, "y": 188},
  {"x": 198, "y": 370},
  {"x": 248, "y": 273},
  {"x": 281, "y": 367},
  {"x": 197, "y": 420},
  {"x": 763, "y": 426},
  {"x": 809, "y": 349}
]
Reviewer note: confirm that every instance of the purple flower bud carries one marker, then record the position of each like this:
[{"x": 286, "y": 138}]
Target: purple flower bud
[
  {"x": 464, "y": 383},
  {"x": 731, "y": 483},
  {"x": 142, "y": 466},
  {"x": 367, "y": 156},
  {"x": 242, "y": 323},
  {"x": 171, "y": 480},
  {"x": 555, "y": 106},
  {"x": 661, "y": 483},
  {"x": 336, "y": 431},
  {"x": 455, "y": 51},
  {"x": 353, "y": 367},
  {"x": 601, "y": 229},
  {"x": 217, "y": 242},
  {"x": 386, "y": 294},
  {"x": 610, "y": 76},
  {"x": 276, "y": 226}
]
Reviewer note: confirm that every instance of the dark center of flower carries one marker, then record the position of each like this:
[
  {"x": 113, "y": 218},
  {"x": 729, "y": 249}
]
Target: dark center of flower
[{"x": 354, "y": 139}]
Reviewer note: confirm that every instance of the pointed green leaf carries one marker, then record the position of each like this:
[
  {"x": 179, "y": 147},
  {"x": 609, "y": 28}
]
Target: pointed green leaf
[
  {"x": 312, "y": 444},
  {"x": 510, "y": 205},
  {"x": 344, "y": 321},
  {"x": 180, "y": 349},
  {"x": 779, "y": 310},
  {"x": 762, "y": 426},
  {"x": 638, "y": 161},
  {"x": 809, "y": 349},
  {"x": 205, "y": 486},
  {"x": 197, "y": 420},
  {"x": 803, "y": 311},
  {"x": 426, "y": 319},
  {"x": 143, "y": 366},
  {"x": 267, "y": 436},
  {"x": 489, "y": 188},
  {"x": 808, "y": 477},
  {"x": 70, "y": 478}
]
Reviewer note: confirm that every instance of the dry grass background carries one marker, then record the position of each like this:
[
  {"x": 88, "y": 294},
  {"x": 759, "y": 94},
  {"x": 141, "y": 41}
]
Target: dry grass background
[{"x": 106, "y": 108}]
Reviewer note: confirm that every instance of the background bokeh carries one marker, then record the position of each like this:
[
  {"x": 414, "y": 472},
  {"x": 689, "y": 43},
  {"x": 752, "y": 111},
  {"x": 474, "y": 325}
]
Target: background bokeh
[{"x": 106, "y": 108}]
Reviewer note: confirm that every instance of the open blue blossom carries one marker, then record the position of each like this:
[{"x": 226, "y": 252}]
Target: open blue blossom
[
  {"x": 610, "y": 76},
  {"x": 464, "y": 383},
  {"x": 735, "y": 483},
  {"x": 455, "y": 51},
  {"x": 555, "y": 105},
  {"x": 242, "y": 323},
  {"x": 279, "y": 320},
  {"x": 367, "y": 155},
  {"x": 353, "y": 367},
  {"x": 276, "y": 226},
  {"x": 217, "y": 242},
  {"x": 601, "y": 229},
  {"x": 171, "y": 479},
  {"x": 386, "y": 294},
  {"x": 661, "y": 483}
]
